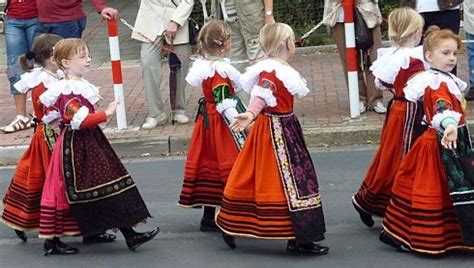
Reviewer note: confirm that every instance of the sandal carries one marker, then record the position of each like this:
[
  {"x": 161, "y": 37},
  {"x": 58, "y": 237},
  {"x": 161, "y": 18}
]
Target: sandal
[{"x": 19, "y": 123}]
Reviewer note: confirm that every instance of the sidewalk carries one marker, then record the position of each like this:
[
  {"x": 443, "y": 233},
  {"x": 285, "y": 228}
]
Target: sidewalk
[{"x": 324, "y": 113}]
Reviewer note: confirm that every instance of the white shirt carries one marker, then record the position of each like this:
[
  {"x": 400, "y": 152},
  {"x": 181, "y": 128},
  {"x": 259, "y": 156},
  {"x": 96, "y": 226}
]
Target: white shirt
[
  {"x": 423, "y": 6},
  {"x": 468, "y": 22}
]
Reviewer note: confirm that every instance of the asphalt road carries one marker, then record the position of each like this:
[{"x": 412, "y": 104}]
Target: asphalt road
[{"x": 180, "y": 244}]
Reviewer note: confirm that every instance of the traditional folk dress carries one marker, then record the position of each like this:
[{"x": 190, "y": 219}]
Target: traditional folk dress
[
  {"x": 392, "y": 69},
  {"x": 420, "y": 214},
  {"x": 272, "y": 191},
  {"x": 22, "y": 199},
  {"x": 213, "y": 147},
  {"x": 86, "y": 176}
]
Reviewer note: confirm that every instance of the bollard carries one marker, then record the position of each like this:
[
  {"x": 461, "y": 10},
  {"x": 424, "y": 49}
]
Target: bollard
[
  {"x": 117, "y": 73},
  {"x": 351, "y": 58}
]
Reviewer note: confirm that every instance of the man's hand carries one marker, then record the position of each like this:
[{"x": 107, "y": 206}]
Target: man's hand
[
  {"x": 171, "y": 29},
  {"x": 109, "y": 13},
  {"x": 269, "y": 19}
]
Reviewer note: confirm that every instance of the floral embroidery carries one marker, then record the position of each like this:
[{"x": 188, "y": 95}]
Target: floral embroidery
[{"x": 295, "y": 201}]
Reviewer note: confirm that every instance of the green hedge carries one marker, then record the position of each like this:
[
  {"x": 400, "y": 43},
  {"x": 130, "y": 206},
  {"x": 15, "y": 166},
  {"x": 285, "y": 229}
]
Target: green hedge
[{"x": 303, "y": 15}]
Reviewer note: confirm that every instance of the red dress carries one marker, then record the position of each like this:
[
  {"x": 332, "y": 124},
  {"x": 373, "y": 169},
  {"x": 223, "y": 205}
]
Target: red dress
[
  {"x": 392, "y": 70},
  {"x": 22, "y": 199},
  {"x": 272, "y": 191},
  {"x": 420, "y": 213},
  {"x": 213, "y": 147}
]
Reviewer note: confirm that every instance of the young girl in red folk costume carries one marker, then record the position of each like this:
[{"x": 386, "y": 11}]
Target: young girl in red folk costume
[
  {"x": 214, "y": 147},
  {"x": 272, "y": 191},
  {"x": 86, "y": 181},
  {"x": 432, "y": 204},
  {"x": 22, "y": 199},
  {"x": 393, "y": 67}
]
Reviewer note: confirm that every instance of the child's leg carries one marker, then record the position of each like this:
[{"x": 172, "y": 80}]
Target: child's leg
[{"x": 207, "y": 222}]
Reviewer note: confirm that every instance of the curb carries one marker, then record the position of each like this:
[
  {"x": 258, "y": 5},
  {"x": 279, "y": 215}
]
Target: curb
[
  {"x": 315, "y": 137},
  {"x": 321, "y": 137}
]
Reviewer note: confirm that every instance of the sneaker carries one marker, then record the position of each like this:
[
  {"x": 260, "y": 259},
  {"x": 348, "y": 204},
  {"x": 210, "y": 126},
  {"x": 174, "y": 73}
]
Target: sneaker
[
  {"x": 379, "y": 107},
  {"x": 152, "y": 122},
  {"x": 19, "y": 123},
  {"x": 362, "y": 107},
  {"x": 181, "y": 118}
]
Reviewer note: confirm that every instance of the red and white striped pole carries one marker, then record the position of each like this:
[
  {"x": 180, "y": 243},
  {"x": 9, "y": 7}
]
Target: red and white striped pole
[
  {"x": 117, "y": 73},
  {"x": 351, "y": 57}
]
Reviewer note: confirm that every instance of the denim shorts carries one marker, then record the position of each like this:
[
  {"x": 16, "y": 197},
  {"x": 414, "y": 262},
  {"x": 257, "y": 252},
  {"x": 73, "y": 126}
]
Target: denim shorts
[
  {"x": 66, "y": 29},
  {"x": 19, "y": 35}
]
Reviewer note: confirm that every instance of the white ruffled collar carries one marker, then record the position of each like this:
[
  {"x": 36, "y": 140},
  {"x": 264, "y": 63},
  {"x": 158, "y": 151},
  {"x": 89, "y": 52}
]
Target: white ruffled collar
[
  {"x": 293, "y": 81},
  {"x": 67, "y": 86},
  {"x": 390, "y": 60},
  {"x": 202, "y": 69},
  {"x": 433, "y": 78},
  {"x": 35, "y": 77}
]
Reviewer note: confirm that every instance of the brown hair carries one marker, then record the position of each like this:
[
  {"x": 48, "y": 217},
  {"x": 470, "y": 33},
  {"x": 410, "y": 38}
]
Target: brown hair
[
  {"x": 434, "y": 35},
  {"x": 42, "y": 50},
  {"x": 213, "y": 36},
  {"x": 273, "y": 37},
  {"x": 67, "y": 48},
  {"x": 403, "y": 23}
]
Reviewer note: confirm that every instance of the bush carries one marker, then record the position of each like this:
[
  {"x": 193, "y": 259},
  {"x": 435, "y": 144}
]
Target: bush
[{"x": 303, "y": 15}]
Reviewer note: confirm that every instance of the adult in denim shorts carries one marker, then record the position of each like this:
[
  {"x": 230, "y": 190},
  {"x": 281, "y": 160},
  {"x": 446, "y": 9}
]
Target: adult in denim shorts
[
  {"x": 21, "y": 22},
  {"x": 66, "y": 18}
]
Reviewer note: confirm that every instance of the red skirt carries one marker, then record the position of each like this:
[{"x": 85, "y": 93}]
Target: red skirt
[
  {"x": 420, "y": 213},
  {"x": 211, "y": 155},
  {"x": 56, "y": 218},
  {"x": 375, "y": 191},
  {"x": 23, "y": 196},
  {"x": 254, "y": 202}
]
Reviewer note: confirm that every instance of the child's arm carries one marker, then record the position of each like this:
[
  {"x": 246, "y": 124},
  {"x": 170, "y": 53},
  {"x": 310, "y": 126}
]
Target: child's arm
[
  {"x": 225, "y": 104},
  {"x": 83, "y": 119},
  {"x": 446, "y": 119}
]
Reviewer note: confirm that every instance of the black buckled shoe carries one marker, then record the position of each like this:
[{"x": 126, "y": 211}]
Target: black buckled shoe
[
  {"x": 208, "y": 225},
  {"x": 99, "y": 238},
  {"x": 310, "y": 248},
  {"x": 229, "y": 240},
  {"x": 365, "y": 217},
  {"x": 21, "y": 235},
  {"x": 141, "y": 238},
  {"x": 391, "y": 241},
  {"x": 58, "y": 248}
]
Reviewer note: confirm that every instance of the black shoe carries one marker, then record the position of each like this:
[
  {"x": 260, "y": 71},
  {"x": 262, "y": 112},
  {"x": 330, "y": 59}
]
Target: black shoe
[
  {"x": 21, "y": 235},
  {"x": 208, "y": 225},
  {"x": 99, "y": 238},
  {"x": 390, "y": 240},
  {"x": 229, "y": 240},
  {"x": 365, "y": 217},
  {"x": 311, "y": 248},
  {"x": 58, "y": 248},
  {"x": 470, "y": 94},
  {"x": 141, "y": 238}
]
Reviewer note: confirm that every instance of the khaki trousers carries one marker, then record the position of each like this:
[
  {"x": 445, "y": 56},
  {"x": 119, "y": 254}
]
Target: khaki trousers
[
  {"x": 152, "y": 63},
  {"x": 367, "y": 91}
]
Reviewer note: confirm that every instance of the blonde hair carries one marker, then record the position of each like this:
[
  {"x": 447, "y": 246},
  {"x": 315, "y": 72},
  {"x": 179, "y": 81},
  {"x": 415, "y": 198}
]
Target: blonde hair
[
  {"x": 273, "y": 37},
  {"x": 434, "y": 35},
  {"x": 213, "y": 37},
  {"x": 67, "y": 48},
  {"x": 403, "y": 22}
]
